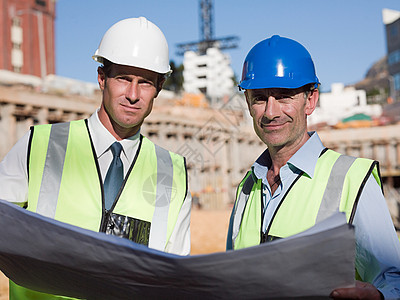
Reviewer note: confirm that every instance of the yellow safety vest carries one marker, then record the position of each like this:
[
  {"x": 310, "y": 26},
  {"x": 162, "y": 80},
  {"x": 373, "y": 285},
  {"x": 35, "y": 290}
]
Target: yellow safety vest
[
  {"x": 65, "y": 184},
  {"x": 336, "y": 186}
]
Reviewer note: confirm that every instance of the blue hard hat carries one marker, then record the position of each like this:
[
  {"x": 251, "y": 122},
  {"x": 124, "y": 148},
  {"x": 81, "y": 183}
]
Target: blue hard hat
[{"x": 278, "y": 62}]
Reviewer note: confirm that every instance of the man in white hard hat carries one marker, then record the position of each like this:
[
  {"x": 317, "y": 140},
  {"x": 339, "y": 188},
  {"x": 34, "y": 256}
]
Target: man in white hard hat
[{"x": 101, "y": 173}]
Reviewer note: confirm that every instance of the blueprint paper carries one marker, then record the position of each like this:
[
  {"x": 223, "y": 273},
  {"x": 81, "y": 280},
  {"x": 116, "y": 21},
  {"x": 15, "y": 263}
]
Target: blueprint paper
[{"x": 58, "y": 258}]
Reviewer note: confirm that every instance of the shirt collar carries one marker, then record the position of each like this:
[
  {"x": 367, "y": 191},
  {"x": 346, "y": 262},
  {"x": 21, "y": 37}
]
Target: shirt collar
[
  {"x": 261, "y": 165},
  {"x": 103, "y": 139},
  {"x": 305, "y": 159}
]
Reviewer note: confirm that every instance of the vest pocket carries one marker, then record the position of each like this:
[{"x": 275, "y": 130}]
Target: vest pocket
[{"x": 132, "y": 229}]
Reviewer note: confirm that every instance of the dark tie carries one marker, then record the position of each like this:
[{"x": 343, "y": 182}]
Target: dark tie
[{"x": 114, "y": 177}]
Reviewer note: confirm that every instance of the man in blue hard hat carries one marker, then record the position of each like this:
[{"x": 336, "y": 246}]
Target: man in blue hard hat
[{"x": 297, "y": 182}]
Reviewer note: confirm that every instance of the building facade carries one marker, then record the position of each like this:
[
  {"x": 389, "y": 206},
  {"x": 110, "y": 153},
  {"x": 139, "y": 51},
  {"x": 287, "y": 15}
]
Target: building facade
[
  {"x": 391, "y": 19},
  {"x": 340, "y": 103},
  {"x": 27, "y": 36},
  {"x": 210, "y": 74}
]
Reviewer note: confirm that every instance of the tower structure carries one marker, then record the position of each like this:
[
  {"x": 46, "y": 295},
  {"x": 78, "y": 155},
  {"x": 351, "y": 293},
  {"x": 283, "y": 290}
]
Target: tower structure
[
  {"x": 207, "y": 39},
  {"x": 27, "y": 36},
  {"x": 207, "y": 69}
]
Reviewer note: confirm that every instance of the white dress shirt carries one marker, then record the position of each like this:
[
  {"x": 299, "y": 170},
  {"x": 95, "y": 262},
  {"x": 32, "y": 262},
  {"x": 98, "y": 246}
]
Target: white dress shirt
[{"x": 14, "y": 177}]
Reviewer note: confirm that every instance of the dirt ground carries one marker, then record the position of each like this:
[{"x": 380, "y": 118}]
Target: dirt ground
[
  {"x": 3, "y": 287},
  {"x": 208, "y": 235},
  {"x": 208, "y": 231}
]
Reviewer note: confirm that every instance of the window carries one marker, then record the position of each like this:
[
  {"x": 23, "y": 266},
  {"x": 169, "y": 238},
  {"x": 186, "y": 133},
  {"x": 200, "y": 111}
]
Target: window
[
  {"x": 41, "y": 2},
  {"x": 16, "y": 22},
  {"x": 394, "y": 57},
  {"x": 16, "y": 46},
  {"x": 394, "y": 31},
  {"x": 397, "y": 81},
  {"x": 16, "y": 40}
]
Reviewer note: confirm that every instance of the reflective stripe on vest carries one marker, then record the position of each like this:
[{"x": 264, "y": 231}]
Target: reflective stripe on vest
[
  {"x": 336, "y": 185},
  {"x": 333, "y": 192},
  {"x": 51, "y": 179},
  {"x": 163, "y": 199},
  {"x": 249, "y": 185}
]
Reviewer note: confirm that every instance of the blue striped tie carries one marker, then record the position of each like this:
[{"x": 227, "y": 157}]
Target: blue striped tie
[{"x": 114, "y": 177}]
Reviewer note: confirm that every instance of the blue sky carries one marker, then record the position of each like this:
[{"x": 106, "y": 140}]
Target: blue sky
[{"x": 344, "y": 37}]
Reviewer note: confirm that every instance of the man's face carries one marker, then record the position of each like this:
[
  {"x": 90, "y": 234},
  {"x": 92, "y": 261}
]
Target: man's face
[
  {"x": 128, "y": 94},
  {"x": 280, "y": 115}
]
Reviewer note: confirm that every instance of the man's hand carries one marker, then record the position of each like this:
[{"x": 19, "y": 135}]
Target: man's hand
[{"x": 362, "y": 290}]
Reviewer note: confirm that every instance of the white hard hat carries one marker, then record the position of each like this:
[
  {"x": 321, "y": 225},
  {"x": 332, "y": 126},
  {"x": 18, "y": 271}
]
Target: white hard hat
[{"x": 135, "y": 42}]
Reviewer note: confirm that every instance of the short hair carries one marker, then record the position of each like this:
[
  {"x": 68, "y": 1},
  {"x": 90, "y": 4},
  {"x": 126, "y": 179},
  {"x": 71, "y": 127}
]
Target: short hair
[
  {"x": 308, "y": 88},
  {"x": 106, "y": 66}
]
